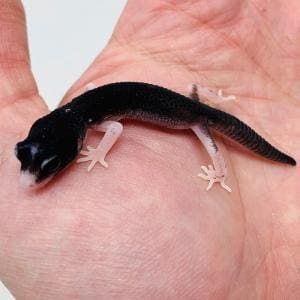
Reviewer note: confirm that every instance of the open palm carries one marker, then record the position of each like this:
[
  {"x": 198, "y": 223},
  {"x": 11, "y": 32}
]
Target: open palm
[{"x": 146, "y": 227}]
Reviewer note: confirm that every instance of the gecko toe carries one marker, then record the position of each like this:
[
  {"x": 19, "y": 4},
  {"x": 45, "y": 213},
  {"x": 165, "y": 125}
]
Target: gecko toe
[
  {"x": 225, "y": 186},
  {"x": 211, "y": 176},
  {"x": 92, "y": 164},
  {"x": 104, "y": 163},
  {"x": 83, "y": 159}
]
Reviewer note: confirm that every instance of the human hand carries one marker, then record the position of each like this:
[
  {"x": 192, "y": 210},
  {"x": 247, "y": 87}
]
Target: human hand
[{"x": 146, "y": 227}]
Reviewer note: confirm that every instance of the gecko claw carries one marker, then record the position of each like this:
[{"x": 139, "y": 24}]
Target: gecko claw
[{"x": 211, "y": 176}]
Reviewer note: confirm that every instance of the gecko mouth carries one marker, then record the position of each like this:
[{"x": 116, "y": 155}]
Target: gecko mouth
[{"x": 27, "y": 180}]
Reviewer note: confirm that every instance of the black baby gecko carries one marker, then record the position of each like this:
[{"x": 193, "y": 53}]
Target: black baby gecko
[{"x": 55, "y": 140}]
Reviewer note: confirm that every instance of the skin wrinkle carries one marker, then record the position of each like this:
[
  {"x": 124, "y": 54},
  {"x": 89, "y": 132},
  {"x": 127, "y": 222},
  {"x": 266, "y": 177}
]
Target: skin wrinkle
[
  {"x": 270, "y": 291},
  {"x": 266, "y": 179},
  {"x": 211, "y": 22},
  {"x": 269, "y": 255},
  {"x": 12, "y": 11},
  {"x": 15, "y": 55},
  {"x": 191, "y": 16},
  {"x": 266, "y": 26},
  {"x": 278, "y": 46},
  {"x": 12, "y": 63},
  {"x": 242, "y": 251},
  {"x": 152, "y": 52},
  {"x": 253, "y": 273},
  {"x": 245, "y": 228},
  {"x": 119, "y": 66},
  {"x": 152, "y": 55},
  {"x": 16, "y": 99},
  {"x": 251, "y": 58}
]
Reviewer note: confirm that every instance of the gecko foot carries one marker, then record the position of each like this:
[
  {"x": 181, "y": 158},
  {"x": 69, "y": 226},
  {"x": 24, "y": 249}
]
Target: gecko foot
[
  {"x": 211, "y": 176},
  {"x": 225, "y": 98},
  {"x": 94, "y": 155},
  {"x": 205, "y": 95}
]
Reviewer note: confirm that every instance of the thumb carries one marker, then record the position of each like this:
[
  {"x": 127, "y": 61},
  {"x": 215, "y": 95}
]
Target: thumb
[{"x": 16, "y": 78}]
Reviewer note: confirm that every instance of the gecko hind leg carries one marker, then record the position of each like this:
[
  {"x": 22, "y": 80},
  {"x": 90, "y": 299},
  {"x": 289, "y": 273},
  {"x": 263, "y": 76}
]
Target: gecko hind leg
[
  {"x": 90, "y": 86},
  {"x": 112, "y": 131},
  {"x": 217, "y": 172},
  {"x": 207, "y": 96}
]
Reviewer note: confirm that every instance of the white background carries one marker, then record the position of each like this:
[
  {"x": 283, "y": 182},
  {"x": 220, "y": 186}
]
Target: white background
[{"x": 64, "y": 38}]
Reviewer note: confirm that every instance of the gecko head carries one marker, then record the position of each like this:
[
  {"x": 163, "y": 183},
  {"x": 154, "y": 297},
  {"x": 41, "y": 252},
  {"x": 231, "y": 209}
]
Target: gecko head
[{"x": 52, "y": 143}]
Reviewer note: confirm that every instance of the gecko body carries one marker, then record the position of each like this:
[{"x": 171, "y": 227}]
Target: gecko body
[{"x": 55, "y": 140}]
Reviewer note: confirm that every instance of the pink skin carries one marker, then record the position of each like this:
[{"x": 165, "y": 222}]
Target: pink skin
[{"x": 145, "y": 228}]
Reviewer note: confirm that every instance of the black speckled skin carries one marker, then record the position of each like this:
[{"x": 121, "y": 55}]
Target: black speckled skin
[
  {"x": 61, "y": 132},
  {"x": 140, "y": 101},
  {"x": 159, "y": 105}
]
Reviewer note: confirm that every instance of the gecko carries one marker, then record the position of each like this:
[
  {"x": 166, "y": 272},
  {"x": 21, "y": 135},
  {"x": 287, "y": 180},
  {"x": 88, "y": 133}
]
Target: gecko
[{"x": 55, "y": 140}]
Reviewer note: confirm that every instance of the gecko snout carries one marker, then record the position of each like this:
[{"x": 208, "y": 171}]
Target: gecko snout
[
  {"x": 21, "y": 149},
  {"x": 25, "y": 150}
]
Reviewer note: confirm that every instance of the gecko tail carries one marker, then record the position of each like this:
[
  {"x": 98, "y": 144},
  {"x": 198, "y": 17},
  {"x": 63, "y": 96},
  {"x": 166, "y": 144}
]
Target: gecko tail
[{"x": 246, "y": 136}]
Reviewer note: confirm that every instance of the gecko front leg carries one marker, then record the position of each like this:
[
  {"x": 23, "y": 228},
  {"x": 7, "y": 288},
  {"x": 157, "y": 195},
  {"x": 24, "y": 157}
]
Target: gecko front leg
[{"x": 112, "y": 131}]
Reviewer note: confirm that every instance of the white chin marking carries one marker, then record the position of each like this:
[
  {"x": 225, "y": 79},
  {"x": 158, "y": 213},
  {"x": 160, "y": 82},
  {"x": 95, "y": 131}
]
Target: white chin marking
[{"x": 27, "y": 179}]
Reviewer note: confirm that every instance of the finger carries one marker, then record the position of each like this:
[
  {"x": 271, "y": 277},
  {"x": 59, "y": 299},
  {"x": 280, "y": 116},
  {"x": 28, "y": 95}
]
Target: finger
[{"x": 17, "y": 81}]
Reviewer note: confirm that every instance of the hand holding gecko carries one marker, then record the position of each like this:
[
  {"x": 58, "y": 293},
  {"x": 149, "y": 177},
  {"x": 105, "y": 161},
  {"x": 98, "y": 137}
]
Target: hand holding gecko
[{"x": 145, "y": 227}]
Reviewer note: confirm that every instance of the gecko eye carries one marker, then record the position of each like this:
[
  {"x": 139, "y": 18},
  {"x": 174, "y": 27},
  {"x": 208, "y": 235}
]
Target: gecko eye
[{"x": 51, "y": 164}]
